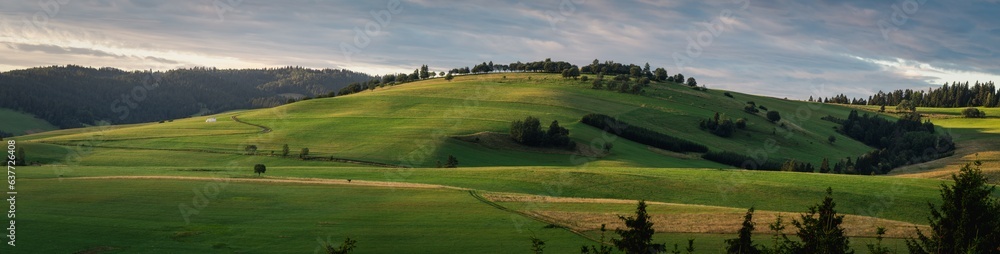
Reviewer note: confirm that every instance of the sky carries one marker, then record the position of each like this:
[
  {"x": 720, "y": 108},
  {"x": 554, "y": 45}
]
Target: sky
[{"x": 792, "y": 49}]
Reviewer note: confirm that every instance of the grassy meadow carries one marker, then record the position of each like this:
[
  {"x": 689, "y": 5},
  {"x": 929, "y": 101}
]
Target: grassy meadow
[{"x": 121, "y": 189}]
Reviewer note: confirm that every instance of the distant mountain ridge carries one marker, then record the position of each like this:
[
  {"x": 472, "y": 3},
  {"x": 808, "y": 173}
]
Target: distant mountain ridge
[{"x": 72, "y": 96}]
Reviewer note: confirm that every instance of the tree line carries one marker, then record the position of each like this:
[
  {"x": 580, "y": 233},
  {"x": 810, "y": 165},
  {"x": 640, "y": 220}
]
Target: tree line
[
  {"x": 947, "y": 96},
  {"x": 642, "y": 135},
  {"x": 71, "y": 96},
  {"x": 421, "y": 73}
]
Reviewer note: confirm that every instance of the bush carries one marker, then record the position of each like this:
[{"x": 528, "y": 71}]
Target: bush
[
  {"x": 741, "y": 123},
  {"x": 773, "y": 116},
  {"x": 727, "y": 94},
  {"x": 973, "y": 113}
]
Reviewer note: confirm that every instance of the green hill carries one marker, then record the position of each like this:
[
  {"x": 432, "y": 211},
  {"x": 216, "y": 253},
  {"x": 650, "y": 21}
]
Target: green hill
[
  {"x": 362, "y": 139},
  {"x": 413, "y": 124}
]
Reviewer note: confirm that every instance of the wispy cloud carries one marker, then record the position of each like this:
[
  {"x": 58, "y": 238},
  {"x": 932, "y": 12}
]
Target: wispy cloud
[{"x": 778, "y": 47}]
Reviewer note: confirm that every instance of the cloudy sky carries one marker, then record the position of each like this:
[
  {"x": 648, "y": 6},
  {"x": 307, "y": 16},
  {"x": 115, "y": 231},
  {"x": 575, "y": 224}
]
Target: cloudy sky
[{"x": 778, "y": 48}]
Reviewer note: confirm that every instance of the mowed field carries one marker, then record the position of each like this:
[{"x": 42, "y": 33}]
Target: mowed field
[{"x": 121, "y": 189}]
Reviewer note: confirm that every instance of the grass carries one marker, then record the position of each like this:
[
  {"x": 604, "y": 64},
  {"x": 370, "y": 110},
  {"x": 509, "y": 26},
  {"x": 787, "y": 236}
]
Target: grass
[
  {"x": 883, "y": 197},
  {"x": 18, "y": 123},
  {"x": 411, "y": 124},
  {"x": 414, "y": 125},
  {"x": 143, "y": 216}
]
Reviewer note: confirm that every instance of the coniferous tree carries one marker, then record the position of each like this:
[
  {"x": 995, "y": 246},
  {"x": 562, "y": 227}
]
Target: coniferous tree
[
  {"x": 638, "y": 237},
  {"x": 743, "y": 243},
  {"x": 284, "y": 150},
  {"x": 968, "y": 220},
  {"x": 820, "y": 231},
  {"x": 452, "y": 162}
]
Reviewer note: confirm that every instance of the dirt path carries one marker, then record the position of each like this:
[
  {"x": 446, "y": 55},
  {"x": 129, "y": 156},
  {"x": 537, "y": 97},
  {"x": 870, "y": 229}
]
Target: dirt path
[
  {"x": 278, "y": 180},
  {"x": 263, "y": 129}
]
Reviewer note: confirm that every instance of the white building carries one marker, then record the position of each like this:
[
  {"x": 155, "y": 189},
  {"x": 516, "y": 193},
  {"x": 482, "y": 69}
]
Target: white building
[{"x": 210, "y": 120}]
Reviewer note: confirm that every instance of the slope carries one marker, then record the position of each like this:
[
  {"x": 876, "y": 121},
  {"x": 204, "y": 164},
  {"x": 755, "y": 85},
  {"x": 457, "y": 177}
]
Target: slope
[{"x": 413, "y": 124}]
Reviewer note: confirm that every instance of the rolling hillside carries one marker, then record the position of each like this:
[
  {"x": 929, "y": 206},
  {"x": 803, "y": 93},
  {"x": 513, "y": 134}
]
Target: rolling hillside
[
  {"x": 413, "y": 124},
  {"x": 378, "y": 151}
]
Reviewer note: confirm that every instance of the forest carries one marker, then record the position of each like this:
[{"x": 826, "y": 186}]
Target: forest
[{"x": 73, "y": 96}]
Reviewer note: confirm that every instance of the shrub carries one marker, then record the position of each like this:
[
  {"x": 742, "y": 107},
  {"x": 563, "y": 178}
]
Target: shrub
[
  {"x": 773, "y": 116},
  {"x": 741, "y": 123},
  {"x": 973, "y": 113},
  {"x": 727, "y": 94}
]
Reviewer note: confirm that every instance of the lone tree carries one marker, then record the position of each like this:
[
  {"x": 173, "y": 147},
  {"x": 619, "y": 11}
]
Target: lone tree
[
  {"x": 259, "y": 169},
  {"x": 304, "y": 153},
  {"x": 452, "y": 162},
  {"x": 831, "y": 139},
  {"x": 448, "y": 77},
  {"x": 968, "y": 220},
  {"x": 638, "y": 238},
  {"x": 284, "y": 150},
  {"x": 743, "y": 244},
  {"x": 820, "y": 229},
  {"x": 773, "y": 116}
]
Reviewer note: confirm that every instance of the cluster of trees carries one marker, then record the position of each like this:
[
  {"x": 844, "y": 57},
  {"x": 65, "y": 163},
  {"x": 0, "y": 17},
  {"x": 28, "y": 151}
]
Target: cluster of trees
[
  {"x": 529, "y": 132},
  {"x": 72, "y": 96},
  {"x": 635, "y": 71},
  {"x": 722, "y": 126},
  {"x": 903, "y": 142},
  {"x": 642, "y": 135},
  {"x": 841, "y": 99},
  {"x": 423, "y": 72},
  {"x": 621, "y": 83}
]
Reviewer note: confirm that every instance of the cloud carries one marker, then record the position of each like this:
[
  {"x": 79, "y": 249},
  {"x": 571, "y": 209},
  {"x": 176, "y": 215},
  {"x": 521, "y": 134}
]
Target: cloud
[{"x": 775, "y": 47}]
